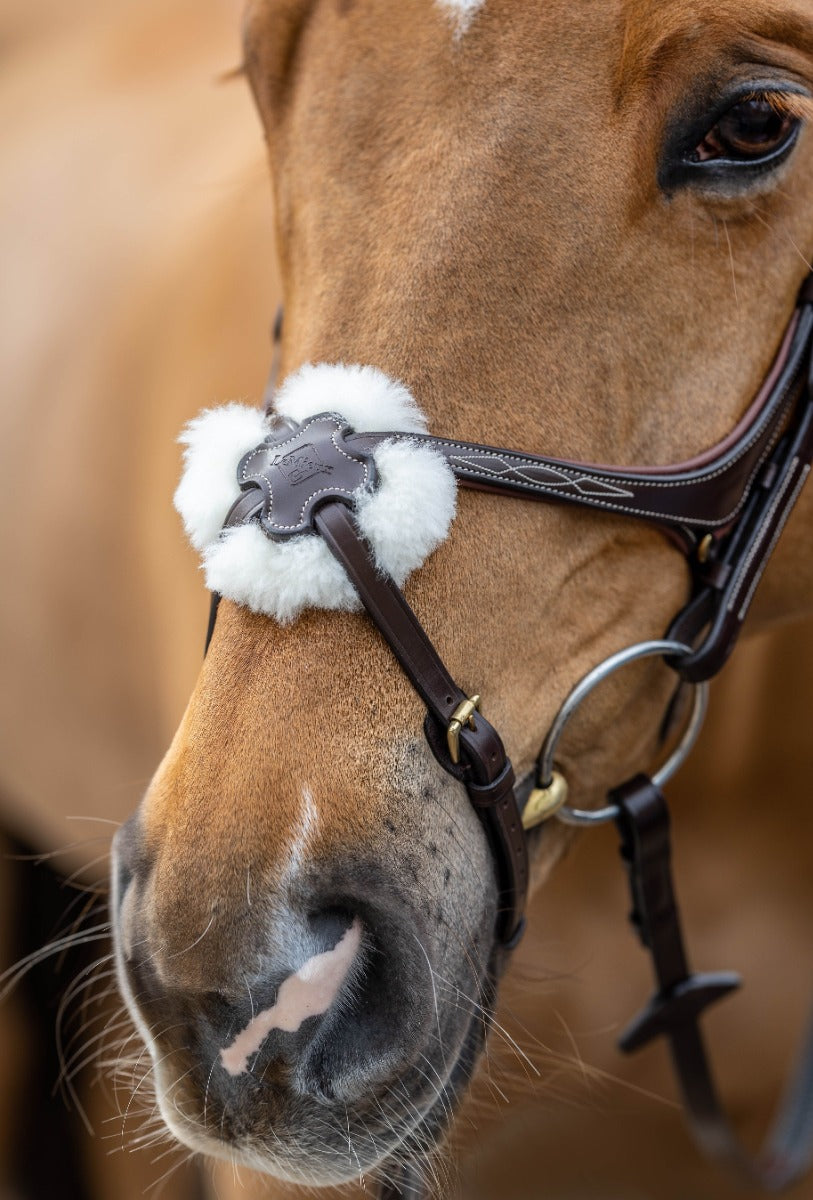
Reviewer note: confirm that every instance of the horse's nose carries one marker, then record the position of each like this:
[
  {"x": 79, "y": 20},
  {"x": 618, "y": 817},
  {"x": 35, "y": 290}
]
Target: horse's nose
[
  {"x": 308, "y": 998},
  {"x": 299, "y": 1004}
]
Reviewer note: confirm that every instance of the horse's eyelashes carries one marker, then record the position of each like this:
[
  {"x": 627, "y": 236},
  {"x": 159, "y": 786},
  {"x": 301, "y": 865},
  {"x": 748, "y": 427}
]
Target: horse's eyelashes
[
  {"x": 736, "y": 141},
  {"x": 750, "y": 130}
]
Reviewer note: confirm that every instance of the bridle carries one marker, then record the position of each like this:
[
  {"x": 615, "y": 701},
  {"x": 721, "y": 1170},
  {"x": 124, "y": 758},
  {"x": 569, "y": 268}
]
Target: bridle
[{"x": 725, "y": 511}]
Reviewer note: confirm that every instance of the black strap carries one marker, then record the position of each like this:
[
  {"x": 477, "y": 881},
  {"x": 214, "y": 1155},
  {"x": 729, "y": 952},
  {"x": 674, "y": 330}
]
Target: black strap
[{"x": 682, "y": 996}]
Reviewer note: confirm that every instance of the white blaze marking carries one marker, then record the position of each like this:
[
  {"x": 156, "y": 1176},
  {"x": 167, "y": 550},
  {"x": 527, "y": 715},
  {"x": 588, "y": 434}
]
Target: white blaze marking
[
  {"x": 462, "y": 11},
  {"x": 307, "y": 828},
  {"x": 307, "y": 993}
]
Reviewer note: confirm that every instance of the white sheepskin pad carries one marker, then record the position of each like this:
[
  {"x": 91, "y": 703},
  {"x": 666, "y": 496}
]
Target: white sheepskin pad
[{"x": 404, "y": 518}]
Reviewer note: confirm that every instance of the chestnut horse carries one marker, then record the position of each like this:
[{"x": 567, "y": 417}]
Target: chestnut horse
[
  {"x": 559, "y": 230},
  {"x": 485, "y": 203}
]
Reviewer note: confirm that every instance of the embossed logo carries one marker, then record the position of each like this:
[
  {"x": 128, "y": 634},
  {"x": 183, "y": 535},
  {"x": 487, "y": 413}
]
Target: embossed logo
[{"x": 301, "y": 464}]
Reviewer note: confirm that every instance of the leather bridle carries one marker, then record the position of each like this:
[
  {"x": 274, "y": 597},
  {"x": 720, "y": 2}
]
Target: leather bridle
[{"x": 725, "y": 510}]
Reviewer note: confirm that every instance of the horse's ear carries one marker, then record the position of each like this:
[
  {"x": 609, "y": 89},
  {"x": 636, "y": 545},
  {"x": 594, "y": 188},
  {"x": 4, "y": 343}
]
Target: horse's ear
[{"x": 272, "y": 30}]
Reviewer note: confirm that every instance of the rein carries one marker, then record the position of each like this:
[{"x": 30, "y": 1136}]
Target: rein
[{"x": 725, "y": 511}]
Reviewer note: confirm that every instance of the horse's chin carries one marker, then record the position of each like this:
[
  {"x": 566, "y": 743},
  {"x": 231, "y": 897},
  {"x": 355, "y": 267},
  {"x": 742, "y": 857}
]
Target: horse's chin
[{"x": 417, "y": 1140}]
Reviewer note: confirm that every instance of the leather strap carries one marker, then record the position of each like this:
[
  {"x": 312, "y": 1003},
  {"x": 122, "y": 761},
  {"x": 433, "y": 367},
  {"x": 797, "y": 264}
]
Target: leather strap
[
  {"x": 705, "y": 494},
  {"x": 485, "y": 770},
  {"x": 725, "y": 586},
  {"x": 681, "y": 996}
]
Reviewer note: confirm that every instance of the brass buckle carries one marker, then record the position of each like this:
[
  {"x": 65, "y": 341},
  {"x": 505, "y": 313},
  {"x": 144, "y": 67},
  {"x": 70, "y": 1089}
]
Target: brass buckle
[{"x": 462, "y": 715}]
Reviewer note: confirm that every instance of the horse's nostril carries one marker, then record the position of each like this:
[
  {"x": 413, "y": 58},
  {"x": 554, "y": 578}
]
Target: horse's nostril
[
  {"x": 309, "y": 991},
  {"x": 317, "y": 996},
  {"x": 329, "y": 925}
]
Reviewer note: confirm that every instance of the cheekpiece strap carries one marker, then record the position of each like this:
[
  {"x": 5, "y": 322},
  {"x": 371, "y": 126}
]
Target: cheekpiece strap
[{"x": 465, "y": 744}]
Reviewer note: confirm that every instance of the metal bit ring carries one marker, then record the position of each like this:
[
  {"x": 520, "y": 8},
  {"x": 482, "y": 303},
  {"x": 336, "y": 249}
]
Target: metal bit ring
[{"x": 659, "y": 648}]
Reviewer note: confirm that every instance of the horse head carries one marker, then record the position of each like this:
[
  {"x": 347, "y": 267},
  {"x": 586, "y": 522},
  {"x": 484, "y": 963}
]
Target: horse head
[{"x": 580, "y": 233}]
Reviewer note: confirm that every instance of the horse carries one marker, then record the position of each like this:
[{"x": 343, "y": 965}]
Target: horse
[
  {"x": 552, "y": 241},
  {"x": 286, "y": 769}
]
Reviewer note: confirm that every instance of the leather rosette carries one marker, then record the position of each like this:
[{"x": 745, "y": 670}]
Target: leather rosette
[{"x": 402, "y": 492}]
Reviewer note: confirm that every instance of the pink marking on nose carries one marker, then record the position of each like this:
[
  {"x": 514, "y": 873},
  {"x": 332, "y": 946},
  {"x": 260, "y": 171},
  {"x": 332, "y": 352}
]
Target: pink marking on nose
[{"x": 309, "y": 992}]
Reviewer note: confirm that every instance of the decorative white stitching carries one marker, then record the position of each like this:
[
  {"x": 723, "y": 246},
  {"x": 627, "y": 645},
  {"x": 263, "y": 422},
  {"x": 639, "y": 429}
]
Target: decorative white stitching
[
  {"x": 297, "y": 432},
  {"x": 653, "y": 513},
  {"x": 765, "y": 418},
  {"x": 563, "y": 480},
  {"x": 600, "y": 502},
  {"x": 266, "y": 446}
]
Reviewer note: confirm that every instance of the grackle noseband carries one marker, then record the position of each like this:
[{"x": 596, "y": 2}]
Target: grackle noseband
[{"x": 725, "y": 510}]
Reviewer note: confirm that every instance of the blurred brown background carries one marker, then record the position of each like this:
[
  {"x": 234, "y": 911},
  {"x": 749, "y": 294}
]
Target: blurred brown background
[{"x": 139, "y": 284}]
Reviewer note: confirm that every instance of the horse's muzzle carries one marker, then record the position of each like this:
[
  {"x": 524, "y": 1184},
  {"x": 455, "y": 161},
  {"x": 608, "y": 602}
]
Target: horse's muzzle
[{"x": 298, "y": 1029}]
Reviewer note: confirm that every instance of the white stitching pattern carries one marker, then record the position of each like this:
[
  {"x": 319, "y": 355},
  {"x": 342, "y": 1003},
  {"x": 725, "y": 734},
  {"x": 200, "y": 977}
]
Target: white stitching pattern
[
  {"x": 652, "y": 513},
  {"x": 562, "y": 481},
  {"x": 596, "y": 502},
  {"x": 246, "y": 474}
]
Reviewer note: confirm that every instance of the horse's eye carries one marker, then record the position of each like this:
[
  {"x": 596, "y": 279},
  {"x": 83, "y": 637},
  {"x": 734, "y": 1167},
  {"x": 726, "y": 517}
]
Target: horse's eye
[
  {"x": 751, "y": 130},
  {"x": 734, "y": 143}
]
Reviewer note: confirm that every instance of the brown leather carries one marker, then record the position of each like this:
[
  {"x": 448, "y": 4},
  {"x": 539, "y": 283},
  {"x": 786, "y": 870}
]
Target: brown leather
[
  {"x": 303, "y": 468},
  {"x": 725, "y": 586},
  {"x": 487, "y": 773},
  {"x": 682, "y": 996}
]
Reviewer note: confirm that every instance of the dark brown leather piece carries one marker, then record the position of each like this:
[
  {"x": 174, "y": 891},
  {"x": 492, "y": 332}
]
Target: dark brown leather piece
[
  {"x": 247, "y": 507},
  {"x": 682, "y": 996},
  {"x": 303, "y": 469},
  {"x": 386, "y": 605},
  {"x": 726, "y": 585}
]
